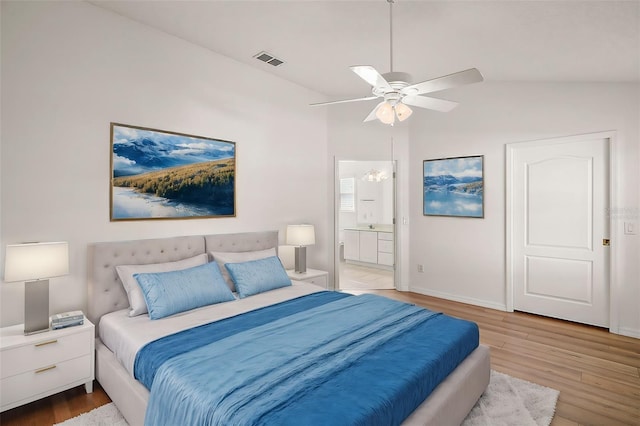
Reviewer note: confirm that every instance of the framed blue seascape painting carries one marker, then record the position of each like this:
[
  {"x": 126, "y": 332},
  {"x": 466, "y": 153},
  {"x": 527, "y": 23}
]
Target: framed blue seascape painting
[
  {"x": 157, "y": 174},
  {"x": 454, "y": 187}
]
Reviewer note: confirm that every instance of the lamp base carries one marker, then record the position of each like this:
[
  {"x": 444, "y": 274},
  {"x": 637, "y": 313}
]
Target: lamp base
[
  {"x": 36, "y": 306},
  {"x": 301, "y": 260}
]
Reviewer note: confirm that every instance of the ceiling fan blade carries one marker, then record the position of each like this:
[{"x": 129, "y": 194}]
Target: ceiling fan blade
[
  {"x": 469, "y": 76},
  {"x": 371, "y": 76},
  {"x": 372, "y": 114},
  {"x": 430, "y": 103},
  {"x": 368, "y": 98}
]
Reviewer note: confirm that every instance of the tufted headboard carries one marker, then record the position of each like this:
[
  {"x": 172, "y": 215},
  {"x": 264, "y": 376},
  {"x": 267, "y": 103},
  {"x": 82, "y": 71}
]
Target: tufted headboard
[
  {"x": 105, "y": 291},
  {"x": 246, "y": 241}
]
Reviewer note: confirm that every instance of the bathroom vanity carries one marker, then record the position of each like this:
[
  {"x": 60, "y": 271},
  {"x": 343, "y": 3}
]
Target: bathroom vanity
[{"x": 370, "y": 246}]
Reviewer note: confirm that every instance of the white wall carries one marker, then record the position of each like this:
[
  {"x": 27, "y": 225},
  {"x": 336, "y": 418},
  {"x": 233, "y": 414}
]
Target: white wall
[
  {"x": 464, "y": 259},
  {"x": 70, "y": 68}
]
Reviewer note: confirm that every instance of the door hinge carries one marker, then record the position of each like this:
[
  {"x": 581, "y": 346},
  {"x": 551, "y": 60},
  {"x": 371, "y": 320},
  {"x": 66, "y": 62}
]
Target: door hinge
[{"x": 606, "y": 242}]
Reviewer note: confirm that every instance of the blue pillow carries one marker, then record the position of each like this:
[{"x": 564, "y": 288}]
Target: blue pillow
[
  {"x": 168, "y": 293},
  {"x": 258, "y": 276}
]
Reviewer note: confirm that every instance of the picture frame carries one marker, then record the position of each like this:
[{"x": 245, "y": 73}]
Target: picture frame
[
  {"x": 159, "y": 174},
  {"x": 453, "y": 187}
]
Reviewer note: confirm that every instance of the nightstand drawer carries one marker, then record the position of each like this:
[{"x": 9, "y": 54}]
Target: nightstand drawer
[
  {"x": 45, "y": 380},
  {"x": 319, "y": 281},
  {"x": 44, "y": 352},
  {"x": 312, "y": 276}
]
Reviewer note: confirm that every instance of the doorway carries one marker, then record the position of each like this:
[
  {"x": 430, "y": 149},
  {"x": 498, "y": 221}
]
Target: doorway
[
  {"x": 558, "y": 254},
  {"x": 365, "y": 210}
]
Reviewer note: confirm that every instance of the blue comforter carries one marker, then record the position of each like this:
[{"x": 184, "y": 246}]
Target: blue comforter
[{"x": 326, "y": 358}]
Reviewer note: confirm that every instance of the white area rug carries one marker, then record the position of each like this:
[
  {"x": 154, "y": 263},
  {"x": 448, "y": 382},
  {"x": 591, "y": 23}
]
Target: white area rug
[
  {"x": 507, "y": 401},
  {"x": 106, "y": 415},
  {"x": 512, "y": 401}
]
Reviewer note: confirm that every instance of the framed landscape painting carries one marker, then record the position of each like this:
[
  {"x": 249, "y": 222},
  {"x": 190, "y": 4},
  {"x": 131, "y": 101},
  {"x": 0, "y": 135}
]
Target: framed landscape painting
[
  {"x": 454, "y": 187},
  {"x": 157, "y": 174}
]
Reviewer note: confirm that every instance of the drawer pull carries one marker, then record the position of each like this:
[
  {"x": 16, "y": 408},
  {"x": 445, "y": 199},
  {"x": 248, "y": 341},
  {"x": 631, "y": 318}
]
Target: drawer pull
[
  {"x": 46, "y": 343},
  {"x": 42, "y": 370}
]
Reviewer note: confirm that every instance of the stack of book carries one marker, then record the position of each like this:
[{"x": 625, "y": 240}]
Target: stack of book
[{"x": 67, "y": 319}]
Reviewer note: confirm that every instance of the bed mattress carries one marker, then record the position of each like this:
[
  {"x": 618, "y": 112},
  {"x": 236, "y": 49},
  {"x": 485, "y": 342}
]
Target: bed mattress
[{"x": 125, "y": 335}]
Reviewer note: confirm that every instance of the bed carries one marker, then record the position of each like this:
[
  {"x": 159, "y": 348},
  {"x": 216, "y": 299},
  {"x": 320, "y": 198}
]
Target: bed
[{"x": 108, "y": 307}]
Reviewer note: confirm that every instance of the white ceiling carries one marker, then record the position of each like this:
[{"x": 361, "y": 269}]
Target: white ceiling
[{"x": 582, "y": 41}]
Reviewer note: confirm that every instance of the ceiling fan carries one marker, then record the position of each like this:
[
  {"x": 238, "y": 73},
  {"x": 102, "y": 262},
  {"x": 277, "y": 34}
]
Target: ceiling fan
[{"x": 398, "y": 93}]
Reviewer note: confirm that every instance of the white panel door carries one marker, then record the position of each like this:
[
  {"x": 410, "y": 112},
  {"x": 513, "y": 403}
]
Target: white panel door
[{"x": 559, "y": 197}]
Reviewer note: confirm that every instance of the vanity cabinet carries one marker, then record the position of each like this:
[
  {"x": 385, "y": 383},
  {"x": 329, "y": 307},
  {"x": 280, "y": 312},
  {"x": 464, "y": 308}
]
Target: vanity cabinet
[
  {"x": 369, "y": 246},
  {"x": 351, "y": 245},
  {"x": 385, "y": 248}
]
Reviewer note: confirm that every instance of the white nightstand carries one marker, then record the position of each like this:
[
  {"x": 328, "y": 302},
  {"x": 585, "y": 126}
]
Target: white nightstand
[
  {"x": 42, "y": 364},
  {"x": 313, "y": 276}
]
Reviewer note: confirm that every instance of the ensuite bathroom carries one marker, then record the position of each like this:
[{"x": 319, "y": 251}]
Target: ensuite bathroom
[{"x": 365, "y": 225}]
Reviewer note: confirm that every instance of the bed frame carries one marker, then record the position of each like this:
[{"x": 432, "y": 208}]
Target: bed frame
[{"x": 448, "y": 404}]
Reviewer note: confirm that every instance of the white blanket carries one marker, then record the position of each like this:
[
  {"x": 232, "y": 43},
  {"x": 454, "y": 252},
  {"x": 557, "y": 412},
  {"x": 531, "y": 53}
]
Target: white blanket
[{"x": 125, "y": 335}]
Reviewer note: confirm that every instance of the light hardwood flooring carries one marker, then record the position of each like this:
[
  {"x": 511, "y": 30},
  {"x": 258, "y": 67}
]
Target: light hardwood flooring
[{"x": 597, "y": 373}]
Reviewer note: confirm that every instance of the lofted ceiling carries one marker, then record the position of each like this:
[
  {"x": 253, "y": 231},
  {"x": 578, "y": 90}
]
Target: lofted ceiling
[{"x": 552, "y": 41}]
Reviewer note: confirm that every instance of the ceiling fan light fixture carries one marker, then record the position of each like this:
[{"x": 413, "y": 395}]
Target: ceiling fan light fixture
[
  {"x": 398, "y": 92},
  {"x": 402, "y": 111},
  {"x": 386, "y": 114}
]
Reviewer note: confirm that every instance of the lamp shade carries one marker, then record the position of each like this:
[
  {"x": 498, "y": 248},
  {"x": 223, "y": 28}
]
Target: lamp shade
[
  {"x": 301, "y": 235},
  {"x": 32, "y": 261}
]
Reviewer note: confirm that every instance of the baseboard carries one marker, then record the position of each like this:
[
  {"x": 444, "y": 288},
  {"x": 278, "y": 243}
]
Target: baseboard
[
  {"x": 630, "y": 332},
  {"x": 624, "y": 331},
  {"x": 456, "y": 298}
]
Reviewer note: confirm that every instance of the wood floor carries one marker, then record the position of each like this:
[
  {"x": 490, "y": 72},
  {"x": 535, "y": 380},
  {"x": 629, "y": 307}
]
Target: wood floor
[
  {"x": 597, "y": 373},
  {"x": 56, "y": 408}
]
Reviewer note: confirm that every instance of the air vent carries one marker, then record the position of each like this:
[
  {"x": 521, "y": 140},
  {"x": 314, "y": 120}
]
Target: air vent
[{"x": 268, "y": 58}]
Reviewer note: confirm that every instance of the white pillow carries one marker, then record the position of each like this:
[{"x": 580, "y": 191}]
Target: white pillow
[
  {"x": 134, "y": 292},
  {"x": 238, "y": 257}
]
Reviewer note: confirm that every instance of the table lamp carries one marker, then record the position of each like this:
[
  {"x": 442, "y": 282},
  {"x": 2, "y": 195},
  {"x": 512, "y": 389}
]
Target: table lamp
[
  {"x": 35, "y": 263},
  {"x": 301, "y": 236}
]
